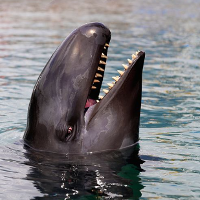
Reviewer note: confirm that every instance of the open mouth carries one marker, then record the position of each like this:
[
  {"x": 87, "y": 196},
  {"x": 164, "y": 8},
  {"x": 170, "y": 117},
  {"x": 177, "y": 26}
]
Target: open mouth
[{"x": 94, "y": 96}]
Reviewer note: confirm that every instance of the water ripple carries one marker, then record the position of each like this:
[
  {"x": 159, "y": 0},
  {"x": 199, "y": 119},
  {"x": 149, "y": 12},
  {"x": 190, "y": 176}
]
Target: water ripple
[{"x": 169, "y": 33}]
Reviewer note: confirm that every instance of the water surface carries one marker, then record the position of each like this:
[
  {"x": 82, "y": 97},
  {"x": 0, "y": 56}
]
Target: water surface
[{"x": 168, "y": 31}]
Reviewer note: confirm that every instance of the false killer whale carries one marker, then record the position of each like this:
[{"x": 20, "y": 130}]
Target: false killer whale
[{"x": 66, "y": 113}]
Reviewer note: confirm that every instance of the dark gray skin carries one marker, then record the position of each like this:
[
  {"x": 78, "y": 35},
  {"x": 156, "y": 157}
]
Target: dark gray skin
[{"x": 56, "y": 118}]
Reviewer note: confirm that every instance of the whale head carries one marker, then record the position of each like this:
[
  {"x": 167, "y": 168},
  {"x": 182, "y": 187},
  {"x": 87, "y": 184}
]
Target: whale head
[{"x": 66, "y": 113}]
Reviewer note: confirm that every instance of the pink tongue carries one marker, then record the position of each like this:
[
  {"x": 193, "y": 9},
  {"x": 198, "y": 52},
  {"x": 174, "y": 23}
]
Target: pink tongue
[{"x": 90, "y": 102}]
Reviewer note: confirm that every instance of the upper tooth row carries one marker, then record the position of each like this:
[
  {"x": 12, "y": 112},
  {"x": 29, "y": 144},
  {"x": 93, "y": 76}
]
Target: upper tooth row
[
  {"x": 102, "y": 62},
  {"x": 103, "y": 56},
  {"x": 100, "y": 69},
  {"x": 97, "y": 75},
  {"x": 106, "y": 45}
]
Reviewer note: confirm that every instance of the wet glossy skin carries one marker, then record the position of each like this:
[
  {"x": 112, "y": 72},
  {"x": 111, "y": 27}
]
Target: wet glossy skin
[{"x": 56, "y": 119}]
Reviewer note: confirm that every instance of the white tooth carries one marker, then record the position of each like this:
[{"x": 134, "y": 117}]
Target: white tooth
[
  {"x": 120, "y": 72},
  {"x": 97, "y": 101},
  {"x": 96, "y": 81},
  {"x": 125, "y": 66},
  {"x": 103, "y": 56},
  {"x": 137, "y": 52},
  {"x": 110, "y": 85},
  {"x": 102, "y": 62},
  {"x": 129, "y": 61},
  {"x": 106, "y": 45},
  {"x": 101, "y": 97},
  {"x": 100, "y": 69},
  {"x": 116, "y": 78},
  {"x": 98, "y": 75},
  {"x": 134, "y": 56},
  {"x": 106, "y": 91},
  {"x": 93, "y": 87}
]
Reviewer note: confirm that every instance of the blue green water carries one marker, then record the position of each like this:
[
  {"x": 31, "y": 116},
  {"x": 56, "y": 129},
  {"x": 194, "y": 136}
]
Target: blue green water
[{"x": 169, "y": 32}]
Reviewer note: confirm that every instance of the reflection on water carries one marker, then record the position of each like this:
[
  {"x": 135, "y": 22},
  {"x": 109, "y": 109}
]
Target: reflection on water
[
  {"x": 168, "y": 31},
  {"x": 96, "y": 175}
]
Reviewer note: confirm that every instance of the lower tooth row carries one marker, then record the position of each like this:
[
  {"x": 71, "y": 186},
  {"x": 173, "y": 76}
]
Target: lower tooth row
[{"x": 116, "y": 78}]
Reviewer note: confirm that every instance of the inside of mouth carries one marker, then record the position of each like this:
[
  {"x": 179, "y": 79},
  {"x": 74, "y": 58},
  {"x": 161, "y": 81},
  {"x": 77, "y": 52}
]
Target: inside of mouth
[{"x": 93, "y": 96}]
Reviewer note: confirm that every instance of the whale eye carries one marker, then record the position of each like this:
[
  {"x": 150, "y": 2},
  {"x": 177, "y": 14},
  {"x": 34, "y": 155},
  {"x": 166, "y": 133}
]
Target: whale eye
[
  {"x": 69, "y": 132},
  {"x": 65, "y": 132}
]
